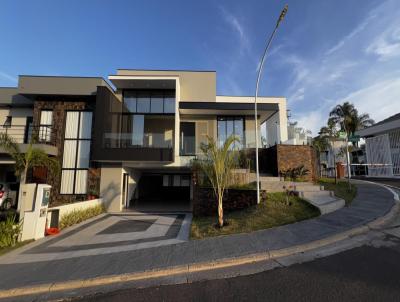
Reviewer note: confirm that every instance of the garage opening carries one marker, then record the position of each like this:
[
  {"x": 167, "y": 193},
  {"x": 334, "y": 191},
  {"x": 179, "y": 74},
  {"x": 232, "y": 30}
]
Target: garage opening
[{"x": 163, "y": 192}]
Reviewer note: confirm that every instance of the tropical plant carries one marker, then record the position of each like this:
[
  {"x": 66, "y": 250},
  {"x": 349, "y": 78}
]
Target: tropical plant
[
  {"x": 9, "y": 231},
  {"x": 348, "y": 118},
  {"x": 217, "y": 164},
  {"x": 294, "y": 174},
  {"x": 78, "y": 216},
  {"x": 32, "y": 157}
]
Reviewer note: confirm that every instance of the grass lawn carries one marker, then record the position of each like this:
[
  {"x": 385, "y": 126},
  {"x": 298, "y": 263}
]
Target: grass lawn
[
  {"x": 270, "y": 213},
  {"x": 4, "y": 250},
  {"x": 340, "y": 189}
]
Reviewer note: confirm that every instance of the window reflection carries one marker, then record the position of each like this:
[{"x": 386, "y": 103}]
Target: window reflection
[{"x": 228, "y": 126}]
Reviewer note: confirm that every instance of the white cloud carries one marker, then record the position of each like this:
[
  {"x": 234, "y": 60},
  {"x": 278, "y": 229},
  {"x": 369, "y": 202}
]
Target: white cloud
[
  {"x": 387, "y": 45},
  {"x": 237, "y": 27},
  {"x": 8, "y": 77},
  {"x": 311, "y": 121},
  {"x": 351, "y": 35},
  {"x": 371, "y": 83},
  {"x": 380, "y": 100}
]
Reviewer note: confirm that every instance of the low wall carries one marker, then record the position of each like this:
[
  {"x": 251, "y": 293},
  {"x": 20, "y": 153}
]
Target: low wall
[
  {"x": 68, "y": 208},
  {"x": 205, "y": 203},
  {"x": 282, "y": 157},
  {"x": 293, "y": 156}
]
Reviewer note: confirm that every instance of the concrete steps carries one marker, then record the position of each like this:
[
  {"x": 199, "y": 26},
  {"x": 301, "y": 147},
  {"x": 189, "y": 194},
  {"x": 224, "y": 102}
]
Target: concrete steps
[
  {"x": 326, "y": 204},
  {"x": 325, "y": 201}
]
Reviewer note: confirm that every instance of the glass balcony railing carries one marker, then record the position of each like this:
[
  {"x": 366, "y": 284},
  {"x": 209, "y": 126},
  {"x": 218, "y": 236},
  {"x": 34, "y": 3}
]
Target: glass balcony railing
[
  {"x": 141, "y": 140},
  {"x": 22, "y": 134},
  {"x": 191, "y": 146}
]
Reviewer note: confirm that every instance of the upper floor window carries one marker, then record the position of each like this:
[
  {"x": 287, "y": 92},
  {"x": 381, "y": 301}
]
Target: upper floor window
[
  {"x": 154, "y": 101},
  {"x": 46, "y": 122}
]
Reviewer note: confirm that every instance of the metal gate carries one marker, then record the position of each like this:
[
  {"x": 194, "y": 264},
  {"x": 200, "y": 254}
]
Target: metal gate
[
  {"x": 394, "y": 139},
  {"x": 379, "y": 156}
]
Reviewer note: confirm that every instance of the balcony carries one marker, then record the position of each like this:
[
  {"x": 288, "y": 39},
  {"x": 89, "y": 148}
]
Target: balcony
[
  {"x": 44, "y": 137},
  {"x": 140, "y": 146},
  {"x": 190, "y": 145}
]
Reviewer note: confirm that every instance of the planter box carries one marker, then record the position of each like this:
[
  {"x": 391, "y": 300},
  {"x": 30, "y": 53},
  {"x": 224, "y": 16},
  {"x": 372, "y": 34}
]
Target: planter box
[{"x": 205, "y": 203}]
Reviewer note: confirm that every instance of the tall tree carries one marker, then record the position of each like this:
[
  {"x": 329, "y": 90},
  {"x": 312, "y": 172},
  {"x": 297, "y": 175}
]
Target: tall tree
[
  {"x": 217, "y": 164},
  {"x": 348, "y": 115}
]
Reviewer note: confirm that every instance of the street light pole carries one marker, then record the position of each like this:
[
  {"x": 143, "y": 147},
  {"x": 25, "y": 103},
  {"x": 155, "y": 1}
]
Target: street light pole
[{"x": 282, "y": 15}]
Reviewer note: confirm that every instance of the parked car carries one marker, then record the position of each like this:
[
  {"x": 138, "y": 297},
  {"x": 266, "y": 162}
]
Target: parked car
[{"x": 8, "y": 196}]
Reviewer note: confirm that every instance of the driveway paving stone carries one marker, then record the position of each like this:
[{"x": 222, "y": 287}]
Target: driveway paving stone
[{"x": 36, "y": 265}]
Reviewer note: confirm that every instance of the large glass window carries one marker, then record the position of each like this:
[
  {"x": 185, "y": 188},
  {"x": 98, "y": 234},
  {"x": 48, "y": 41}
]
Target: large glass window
[
  {"x": 130, "y": 101},
  {"x": 143, "y": 103},
  {"x": 151, "y": 101},
  {"x": 137, "y": 130},
  {"x": 76, "y": 155},
  {"x": 228, "y": 126}
]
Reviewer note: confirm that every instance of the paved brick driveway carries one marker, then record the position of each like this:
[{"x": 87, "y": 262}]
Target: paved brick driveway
[{"x": 109, "y": 233}]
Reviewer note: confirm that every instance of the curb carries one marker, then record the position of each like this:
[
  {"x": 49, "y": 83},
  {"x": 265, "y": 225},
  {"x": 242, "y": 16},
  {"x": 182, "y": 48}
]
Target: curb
[{"x": 202, "y": 266}]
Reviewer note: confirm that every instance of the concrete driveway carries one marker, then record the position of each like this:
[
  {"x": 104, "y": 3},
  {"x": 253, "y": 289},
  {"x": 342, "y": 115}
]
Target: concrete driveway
[{"x": 105, "y": 234}]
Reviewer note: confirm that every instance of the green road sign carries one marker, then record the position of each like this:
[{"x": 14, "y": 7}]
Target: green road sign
[
  {"x": 354, "y": 138},
  {"x": 342, "y": 134}
]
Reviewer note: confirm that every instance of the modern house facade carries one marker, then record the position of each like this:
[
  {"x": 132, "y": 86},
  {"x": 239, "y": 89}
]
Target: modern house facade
[
  {"x": 133, "y": 139},
  {"x": 382, "y": 147}
]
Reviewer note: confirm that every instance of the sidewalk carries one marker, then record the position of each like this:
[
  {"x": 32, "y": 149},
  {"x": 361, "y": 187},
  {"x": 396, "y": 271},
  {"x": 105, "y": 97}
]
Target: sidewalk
[{"x": 371, "y": 203}]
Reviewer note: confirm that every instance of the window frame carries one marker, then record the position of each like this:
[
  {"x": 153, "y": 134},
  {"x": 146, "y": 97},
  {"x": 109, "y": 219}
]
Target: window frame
[
  {"x": 47, "y": 136},
  {"x": 78, "y": 140},
  {"x": 225, "y": 118},
  {"x": 166, "y": 94}
]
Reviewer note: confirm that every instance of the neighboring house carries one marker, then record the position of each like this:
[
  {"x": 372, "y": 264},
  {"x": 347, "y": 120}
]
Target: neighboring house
[
  {"x": 298, "y": 135},
  {"x": 334, "y": 154},
  {"x": 382, "y": 147},
  {"x": 134, "y": 141}
]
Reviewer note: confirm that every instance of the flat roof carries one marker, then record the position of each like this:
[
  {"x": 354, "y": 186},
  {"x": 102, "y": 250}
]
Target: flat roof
[
  {"x": 386, "y": 125},
  {"x": 177, "y": 70},
  {"x": 9, "y": 97},
  {"x": 60, "y": 85}
]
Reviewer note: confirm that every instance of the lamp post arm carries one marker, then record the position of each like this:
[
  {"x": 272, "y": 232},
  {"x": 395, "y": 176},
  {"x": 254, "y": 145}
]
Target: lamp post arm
[{"x": 260, "y": 68}]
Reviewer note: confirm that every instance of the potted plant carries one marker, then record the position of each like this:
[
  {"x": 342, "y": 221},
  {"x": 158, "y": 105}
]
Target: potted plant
[{"x": 93, "y": 194}]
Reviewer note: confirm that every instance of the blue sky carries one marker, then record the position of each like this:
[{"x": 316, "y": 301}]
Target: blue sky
[{"x": 325, "y": 52}]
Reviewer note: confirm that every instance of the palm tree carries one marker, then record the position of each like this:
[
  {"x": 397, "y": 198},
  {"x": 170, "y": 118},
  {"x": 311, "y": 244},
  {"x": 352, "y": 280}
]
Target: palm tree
[
  {"x": 217, "y": 164},
  {"x": 348, "y": 115},
  {"x": 33, "y": 157},
  {"x": 360, "y": 122}
]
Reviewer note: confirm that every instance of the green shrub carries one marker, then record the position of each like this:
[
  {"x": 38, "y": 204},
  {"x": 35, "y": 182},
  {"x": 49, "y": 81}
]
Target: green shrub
[
  {"x": 9, "y": 231},
  {"x": 248, "y": 186},
  {"x": 78, "y": 216}
]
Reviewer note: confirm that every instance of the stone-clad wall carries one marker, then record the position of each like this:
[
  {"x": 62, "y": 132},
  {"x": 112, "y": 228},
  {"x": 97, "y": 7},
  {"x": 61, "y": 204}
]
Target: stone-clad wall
[
  {"x": 292, "y": 156},
  {"x": 59, "y": 105},
  {"x": 205, "y": 203}
]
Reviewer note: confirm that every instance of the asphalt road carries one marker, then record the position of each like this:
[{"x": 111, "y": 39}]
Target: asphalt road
[{"x": 367, "y": 273}]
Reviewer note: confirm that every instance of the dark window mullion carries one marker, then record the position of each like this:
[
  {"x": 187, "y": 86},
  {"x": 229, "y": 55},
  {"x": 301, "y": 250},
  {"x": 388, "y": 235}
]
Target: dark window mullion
[{"x": 76, "y": 153}]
